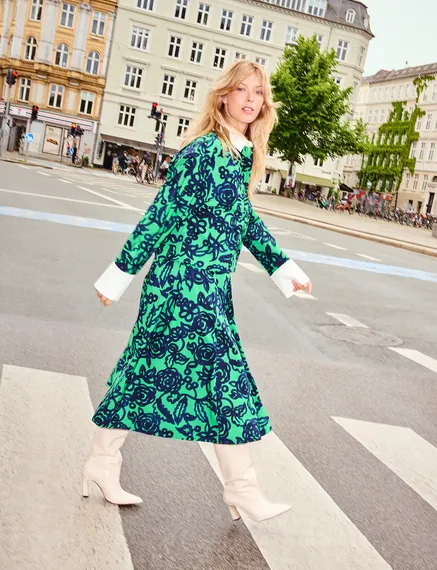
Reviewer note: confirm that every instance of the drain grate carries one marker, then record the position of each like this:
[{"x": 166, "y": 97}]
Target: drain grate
[{"x": 359, "y": 336}]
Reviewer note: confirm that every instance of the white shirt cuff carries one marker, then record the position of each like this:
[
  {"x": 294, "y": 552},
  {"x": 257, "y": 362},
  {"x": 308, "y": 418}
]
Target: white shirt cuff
[
  {"x": 113, "y": 282},
  {"x": 286, "y": 274}
]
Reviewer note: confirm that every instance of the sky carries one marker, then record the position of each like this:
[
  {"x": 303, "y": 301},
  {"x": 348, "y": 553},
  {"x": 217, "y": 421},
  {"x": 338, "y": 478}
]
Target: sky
[{"x": 405, "y": 30}]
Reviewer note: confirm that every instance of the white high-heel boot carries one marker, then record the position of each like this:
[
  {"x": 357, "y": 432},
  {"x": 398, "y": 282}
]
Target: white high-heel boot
[
  {"x": 103, "y": 466},
  {"x": 241, "y": 487}
]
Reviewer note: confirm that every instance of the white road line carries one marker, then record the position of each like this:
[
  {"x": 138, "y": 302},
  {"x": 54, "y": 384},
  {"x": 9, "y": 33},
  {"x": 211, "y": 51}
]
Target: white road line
[
  {"x": 303, "y": 295},
  {"x": 250, "y": 267},
  {"x": 347, "y": 320},
  {"x": 369, "y": 257},
  {"x": 145, "y": 202},
  {"x": 127, "y": 206},
  {"x": 273, "y": 228},
  {"x": 42, "y": 173},
  {"x": 283, "y": 233},
  {"x": 315, "y": 529},
  {"x": 62, "y": 198},
  {"x": 407, "y": 454},
  {"x": 417, "y": 357},
  {"x": 302, "y": 236},
  {"x": 49, "y": 524},
  {"x": 65, "y": 181},
  {"x": 25, "y": 167},
  {"x": 336, "y": 246}
]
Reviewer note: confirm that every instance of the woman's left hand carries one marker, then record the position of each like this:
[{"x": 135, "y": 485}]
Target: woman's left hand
[{"x": 307, "y": 287}]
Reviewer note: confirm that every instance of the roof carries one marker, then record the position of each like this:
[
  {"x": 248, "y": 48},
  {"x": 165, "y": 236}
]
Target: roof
[{"x": 395, "y": 74}]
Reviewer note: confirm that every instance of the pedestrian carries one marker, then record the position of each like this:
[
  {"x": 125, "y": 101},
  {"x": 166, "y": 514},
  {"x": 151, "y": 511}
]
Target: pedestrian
[
  {"x": 74, "y": 153},
  {"x": 183, "y": 374},
  {"x": 353, "y": 205}
]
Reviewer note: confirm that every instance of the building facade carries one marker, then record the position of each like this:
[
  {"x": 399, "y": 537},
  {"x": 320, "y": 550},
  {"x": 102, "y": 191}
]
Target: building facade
[
  {"x": 375, "y": 98},
  {"x": 171, "y": 51},
  {"x": 60, "y": 51}
]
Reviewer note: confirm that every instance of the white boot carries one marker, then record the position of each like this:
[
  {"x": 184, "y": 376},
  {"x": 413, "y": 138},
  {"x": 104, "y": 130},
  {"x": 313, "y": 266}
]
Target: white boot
[
  {"x": 241, "y": 487},
  {"x": 103, "y": 466}
]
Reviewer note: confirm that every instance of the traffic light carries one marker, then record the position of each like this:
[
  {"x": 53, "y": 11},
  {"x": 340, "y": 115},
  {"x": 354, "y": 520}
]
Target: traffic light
[
  {"x": 73, "y": 129},
  {"x": 34, "y": 115},
  {"x": 11, "y": 77}
]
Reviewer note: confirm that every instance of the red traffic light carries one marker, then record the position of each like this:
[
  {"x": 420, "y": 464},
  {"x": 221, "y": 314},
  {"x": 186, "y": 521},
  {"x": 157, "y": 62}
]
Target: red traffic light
[
  {"x": 14, "y": 74},
  {"x": 154, "y": 105}
]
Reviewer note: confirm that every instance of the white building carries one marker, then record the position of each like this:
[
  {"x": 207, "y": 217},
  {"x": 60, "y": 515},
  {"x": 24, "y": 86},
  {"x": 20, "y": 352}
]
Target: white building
[{"x": 170, "y": 51}]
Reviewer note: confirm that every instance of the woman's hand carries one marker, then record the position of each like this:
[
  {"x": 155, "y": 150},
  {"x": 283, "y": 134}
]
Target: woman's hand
[
  {"x": 307, "y": 287},
  {"x": 104, "y": 300}
]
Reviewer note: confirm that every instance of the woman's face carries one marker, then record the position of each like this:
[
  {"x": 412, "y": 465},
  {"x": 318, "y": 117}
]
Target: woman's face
[{"x": 244, "y": 103}]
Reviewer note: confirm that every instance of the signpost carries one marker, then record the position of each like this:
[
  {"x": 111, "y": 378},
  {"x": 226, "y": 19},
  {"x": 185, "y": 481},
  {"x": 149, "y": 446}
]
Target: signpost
[{"x": 29, "y": 138}]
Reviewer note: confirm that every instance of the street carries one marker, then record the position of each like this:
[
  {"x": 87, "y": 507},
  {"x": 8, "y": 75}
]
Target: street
[{"x": 348, "y": 374}]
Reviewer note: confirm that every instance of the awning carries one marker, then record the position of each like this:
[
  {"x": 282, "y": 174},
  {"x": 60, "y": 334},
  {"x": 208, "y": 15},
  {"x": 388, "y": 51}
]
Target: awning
[
  {"x": 137, "y": 145},
  {"x": 314, "y": 180}
]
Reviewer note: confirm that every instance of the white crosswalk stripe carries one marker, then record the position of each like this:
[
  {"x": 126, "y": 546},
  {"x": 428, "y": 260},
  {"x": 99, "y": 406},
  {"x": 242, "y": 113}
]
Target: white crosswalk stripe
[
  {"x": 43, "y": 173},
  {"x": 369, "y": 257},
  {"x": 347, "y": 320},
  {"x": 417, "y": 357},
  {"x": 255, "y": 269},
  {"x": 336, "y": 246}
]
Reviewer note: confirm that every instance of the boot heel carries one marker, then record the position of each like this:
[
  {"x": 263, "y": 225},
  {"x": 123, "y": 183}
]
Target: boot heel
[
  {"x": 234, "y": 513},
  {"x": 85, "y": 488}
]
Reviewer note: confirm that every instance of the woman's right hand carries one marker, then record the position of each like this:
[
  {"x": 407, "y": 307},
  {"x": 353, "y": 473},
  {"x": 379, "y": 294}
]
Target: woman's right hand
[{"x": 104, "y": 300}]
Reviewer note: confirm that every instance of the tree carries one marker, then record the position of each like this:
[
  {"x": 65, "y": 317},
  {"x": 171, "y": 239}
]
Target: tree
[{"x": 313, "y": 109}]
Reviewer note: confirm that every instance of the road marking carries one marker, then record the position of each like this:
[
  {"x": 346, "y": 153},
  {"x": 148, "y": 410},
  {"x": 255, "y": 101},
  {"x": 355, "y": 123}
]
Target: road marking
[
  {"x": 283, "y": 232},
  {"x": 119, "y": 193},
  {"x": 369, "y": 257},
  {"x": 145, "y": 202},
  {"x": 417, "y": 357},
  {"x": 25, "y": 167},
  {"x": 304, "y": 295},
  {"x": 65, "y": 181},
  {"x": 42, "y": 173},
  {"x": 347, "y": 320},
  {"x": 336, "y": 246},
  {"x": 302, "y": 236},
  {"x": 315, "y": 529},
  {"x": 48, "y": 522},
  {"x": 411, "y": 457},
  {"x": 273, "y": 228},
  {"x": 127, "y": 206},
  {"x": 250, "y": 267}
]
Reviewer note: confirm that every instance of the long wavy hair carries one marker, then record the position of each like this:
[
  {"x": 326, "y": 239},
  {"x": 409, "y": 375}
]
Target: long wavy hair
[{"x": 214, "y": 116}]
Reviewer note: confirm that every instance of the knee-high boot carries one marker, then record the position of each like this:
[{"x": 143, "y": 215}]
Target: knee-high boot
[
  {"x": 103, "y": 466},
  {"x": 241, "y": 487}
]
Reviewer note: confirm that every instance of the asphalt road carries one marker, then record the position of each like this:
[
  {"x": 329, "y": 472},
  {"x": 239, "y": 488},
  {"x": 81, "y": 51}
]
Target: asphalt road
[{"x": 348, "y": 376}]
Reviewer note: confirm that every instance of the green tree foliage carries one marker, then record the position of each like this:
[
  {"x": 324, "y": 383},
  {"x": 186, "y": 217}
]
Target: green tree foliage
[{"x": 312, "y": 108}]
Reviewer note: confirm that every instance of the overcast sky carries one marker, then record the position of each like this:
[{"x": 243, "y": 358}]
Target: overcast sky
[{"x": 405, "y": 30}]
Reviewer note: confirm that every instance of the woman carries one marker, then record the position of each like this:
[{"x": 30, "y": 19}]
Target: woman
[{"x": 183, "y": 374}]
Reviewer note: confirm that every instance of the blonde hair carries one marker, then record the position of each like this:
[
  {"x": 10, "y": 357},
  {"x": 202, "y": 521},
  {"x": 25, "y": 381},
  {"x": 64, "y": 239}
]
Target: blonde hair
[{"x": 213, "y": 116}]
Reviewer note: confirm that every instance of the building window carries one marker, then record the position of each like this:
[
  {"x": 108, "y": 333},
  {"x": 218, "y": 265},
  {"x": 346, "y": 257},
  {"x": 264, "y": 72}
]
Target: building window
[
  {"x": 61, "y": 56},
  {"x": 30, "y": 49},
  {"x": 56, "y": 95},
  {"x": 419, "y": 124},
  {"x": 246, "y": 25},
  {"x": 291, "y": 35},
  {"x": 67, "y": 15},
  {"x": 350, "y": 16},
  {"x": 422, "y": 151},
  {"x": 318, "y": 162},
  {"x": 434, "y": 93},
  {"x": 370, "y": 118},
  {"x": 319, "y": 39},
  {"x": 183, "y": 125},
  {"x": 140, "y": 38},
  {"x": 317, "y": 7},
  {"x": 168, "y": 85},
  {"x": 425, "y": 182},
  {"x": 261, "y": 61},
  {"x": 145, "y": 4},
  {"x": 342, "y": 48},
  {"x": 226, "y": 21},
  {"x": 407, "y": 90},
  {"x": 36, "y": 10},
  {"x": 407, "y": 179},
  {"x": 175, "y": 46},
  {"x": 133, "y": 77},
  {"x": 190, "y": 90},
  {"x": 413, "y": 150},
  {"x": 428, "y": 121},
  {"x": 219, "y": 58},
  {"x": 92, "y": 63},
  {"x": 99, "y": 22},
  {"x": 164, "y": 120},
  {"x": 416, "y": 181},
  {"x": 86, "y": 103},
  {"x": 431, "y": 152},
  {"x": 24, "y": 91},
  {"x": 239, "y": 55},
  {"x": 196, "y": 52},
  {"x": 181, "y": 9},
  {"x": 126, "y": 116},
  {"x": 266, "y": 30},
  {"x": 202, "y": 14}
]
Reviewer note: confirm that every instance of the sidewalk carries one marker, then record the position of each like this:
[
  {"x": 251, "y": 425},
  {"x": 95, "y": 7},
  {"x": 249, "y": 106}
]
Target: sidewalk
[
  {"x": 17, "y": 158},
  {"x": 389, "y": 233}
]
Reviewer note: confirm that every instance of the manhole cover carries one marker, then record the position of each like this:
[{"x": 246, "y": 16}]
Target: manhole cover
[{"x": 359, "y": 335}]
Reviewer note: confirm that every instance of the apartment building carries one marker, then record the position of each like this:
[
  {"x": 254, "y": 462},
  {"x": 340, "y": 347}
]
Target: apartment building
[
  {"x": 60, "y": 51},
  {"x": 170, "y": 51},
  {"x": 375, "y": 98}
]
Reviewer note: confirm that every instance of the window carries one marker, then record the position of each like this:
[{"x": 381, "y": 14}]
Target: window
[
  {"x": 261, "y": 61},
  {"x": 290, "y": 35},
  {"x": 407, "y": 179},
  {"x": 219, "y": 58},
  {"x": 196, "y": 52},
  {"x": 350, "y": 16},
  {"x": 133, "y": 76},
  {"x": 99, "y": 22},
  {"x": 431, "y": 152},
  {"x": 316, "y": 7},
  {"x": 407, "y": 90},
  {"x": 92, "y": 62},
  {"x": 30, "y": 49},
  {"x": 36, "y": 10},
  {"x": 190, "y": 90},
  {"x": 239, "y": 55},
  {"x": 370, "y": 117},
  {"x": 428, "y": 121},
  {"x": 183, "y": 125},
  {"x": 168, "y": 85},
  {"x": 266, "y": 30},
  {"x": 226, "y": 21},
  {"x": 86, "y": 103},
  {"x": 342, "y": 48},
  {"x": 61, "y": 56},
  {"x": 382, "y": 119},
  {"x": 24, "y": 91},
  {"x": 416, "y": 181},
  {"x": 67, "y": 15},
  {"x": 56, "y": 95},
  {"x": 181, "y": 9},
  {"x": 422, "y": 151},
  {"x": 376, "y": 117},
  {"x": 425, "y": 182},
  {"x": 419, "y": 125},
  {"x": 202, "y": 14},
  {"x": 413, "y": 150},
  {"x": 318, "y": 162},
  {"x": 126, "y": 116},
  {"x": 145, "y": 4},
  {"x": 164, "y": 119},
  {"x": 425, "y": 95},
  {"x": 434, "y": 93},
  {"x": 175, "y": 46},
  {"x": 246, "y": 25},
  {"x": 140, "y": 38},
  {"x": 319, "y": 39}
]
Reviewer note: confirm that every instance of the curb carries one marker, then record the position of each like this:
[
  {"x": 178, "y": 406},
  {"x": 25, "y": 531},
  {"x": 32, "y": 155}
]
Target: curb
[
  {"x": 11, "y": 160},
  {"x": 346, "y": 231}
]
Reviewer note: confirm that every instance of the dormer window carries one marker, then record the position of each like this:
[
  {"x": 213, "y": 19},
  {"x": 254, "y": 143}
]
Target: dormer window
[{"x": 350, "y": 16}]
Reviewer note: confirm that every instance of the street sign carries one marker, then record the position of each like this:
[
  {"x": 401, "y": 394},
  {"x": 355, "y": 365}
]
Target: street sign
[{"x": 29, "y": 138}]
